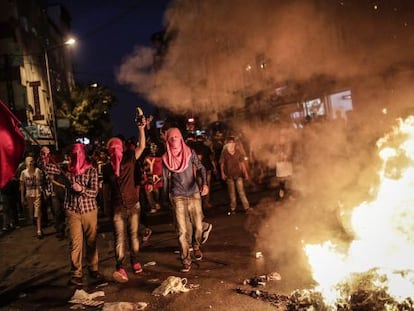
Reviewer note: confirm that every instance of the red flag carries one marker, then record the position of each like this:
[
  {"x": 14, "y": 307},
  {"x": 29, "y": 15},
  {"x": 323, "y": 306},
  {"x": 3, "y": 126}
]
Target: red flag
[{"x": 12, "y": 144}]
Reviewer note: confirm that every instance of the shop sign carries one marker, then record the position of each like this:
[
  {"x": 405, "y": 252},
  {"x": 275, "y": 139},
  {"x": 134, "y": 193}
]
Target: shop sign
[{"x": 39, "y": 131}]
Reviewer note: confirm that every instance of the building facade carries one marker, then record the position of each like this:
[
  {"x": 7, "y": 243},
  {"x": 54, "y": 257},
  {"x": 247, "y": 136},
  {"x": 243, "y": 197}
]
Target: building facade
[{"x": 35, "y": 65}]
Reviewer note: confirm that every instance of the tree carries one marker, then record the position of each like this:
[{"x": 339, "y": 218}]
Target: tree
[{"x": 87, "y": 110}]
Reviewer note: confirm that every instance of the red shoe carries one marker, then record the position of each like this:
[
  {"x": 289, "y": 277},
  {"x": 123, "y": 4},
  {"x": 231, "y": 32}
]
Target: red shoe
[
  {"x": 120, "y": 276},
  {"x": 137, "y": 267}
]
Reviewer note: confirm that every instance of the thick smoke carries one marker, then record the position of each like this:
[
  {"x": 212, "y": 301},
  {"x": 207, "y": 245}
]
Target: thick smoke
[{"x": 221, "y": 52}]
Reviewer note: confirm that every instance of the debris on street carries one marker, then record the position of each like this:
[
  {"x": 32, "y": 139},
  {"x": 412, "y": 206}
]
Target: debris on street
[
  {"x": 173, "y": 284},
  {"x": 275, "y": 299},
  {"x": 124, "y": 306},
  {"x": 83, "y": 298},
  {"x": 262, "y": 279},
  {"x": 104, "y": 284}
]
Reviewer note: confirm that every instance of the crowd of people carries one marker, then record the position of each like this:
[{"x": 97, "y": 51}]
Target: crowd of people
[{"x": 124, "y": 179}]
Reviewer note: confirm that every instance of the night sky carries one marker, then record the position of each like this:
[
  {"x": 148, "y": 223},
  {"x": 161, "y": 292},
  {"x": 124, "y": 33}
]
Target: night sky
[{"x": 106, "y": 32}]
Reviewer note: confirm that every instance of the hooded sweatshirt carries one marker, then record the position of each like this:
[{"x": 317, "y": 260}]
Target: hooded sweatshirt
[{"x": 180, "y": 163}]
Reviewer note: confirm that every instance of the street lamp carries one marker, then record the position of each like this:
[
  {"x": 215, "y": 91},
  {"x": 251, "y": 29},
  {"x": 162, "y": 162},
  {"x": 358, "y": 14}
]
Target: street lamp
[{"x": 70, "y": 41}]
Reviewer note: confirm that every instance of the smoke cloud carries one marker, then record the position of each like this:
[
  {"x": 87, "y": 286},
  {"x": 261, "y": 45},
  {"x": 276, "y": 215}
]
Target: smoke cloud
[{"x": 221, "y": 52}]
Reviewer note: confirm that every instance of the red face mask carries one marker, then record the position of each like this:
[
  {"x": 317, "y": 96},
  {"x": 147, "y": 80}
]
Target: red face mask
[
  {"x": 78, "y": 163},
  {"x": 115, "y": 148}
]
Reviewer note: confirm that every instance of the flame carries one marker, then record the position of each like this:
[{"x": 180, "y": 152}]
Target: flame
[{"x": 383, "y": 228}]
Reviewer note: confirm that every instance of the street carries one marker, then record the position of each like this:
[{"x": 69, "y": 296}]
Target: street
[{"x": 34, "y": 273}]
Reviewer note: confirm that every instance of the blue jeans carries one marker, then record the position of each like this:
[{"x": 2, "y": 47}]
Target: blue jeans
[
  {"x": 232, "y": 185},
  {"x": 126, "y": 223},
  {"x": 188, "y": 216}
]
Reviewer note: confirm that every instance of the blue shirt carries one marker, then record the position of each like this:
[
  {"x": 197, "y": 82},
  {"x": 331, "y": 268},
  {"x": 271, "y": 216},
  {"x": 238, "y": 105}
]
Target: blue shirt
[{"x": 185, "y": 182}]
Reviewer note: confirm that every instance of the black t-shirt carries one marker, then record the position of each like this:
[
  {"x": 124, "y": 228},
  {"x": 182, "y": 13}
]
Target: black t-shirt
[
  {"x": 123, "y": 191},
  {"x": 204, "y": 154}
]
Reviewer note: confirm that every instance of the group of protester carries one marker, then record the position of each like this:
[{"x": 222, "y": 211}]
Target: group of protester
[{"x": 183, "y": 172}]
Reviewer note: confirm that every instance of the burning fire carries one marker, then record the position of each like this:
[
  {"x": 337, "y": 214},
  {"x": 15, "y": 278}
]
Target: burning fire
[{"x": 381, "y": 256}]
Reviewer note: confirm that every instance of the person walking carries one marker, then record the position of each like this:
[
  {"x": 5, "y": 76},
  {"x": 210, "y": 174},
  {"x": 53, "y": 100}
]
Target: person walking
[
  {"x": 31, "y": 193},
  {"x": 82, "y": 214},
  {"x": 234, "y": 171},
  {"x": 153, "y": 178},
  {"x": 206, "y": 156},
  {"x": 179, "y": 166},
  {"x": 55, "y": 189},
  {"x": 121, "y": 184},
  {"x": 284, "y": 154}
]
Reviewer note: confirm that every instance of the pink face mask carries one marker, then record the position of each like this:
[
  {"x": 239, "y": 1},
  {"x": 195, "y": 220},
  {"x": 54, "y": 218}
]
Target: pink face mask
[
  {"x": 178, "y": 153},
  {"x": 115, "y": 148},
  {"x": 78, "y": 163}
]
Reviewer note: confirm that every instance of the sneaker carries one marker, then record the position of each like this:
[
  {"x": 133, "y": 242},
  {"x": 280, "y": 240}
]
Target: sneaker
[
  {"x": 186, "y": 268},
  {"x": 75, "y": 280},
  {"x": 96, "y": 275},
  {"x": 137, "y": 267},
  {"x": 39, "y": 235},
  {"x": 120, "y": 275},
  {"x": 206, "y": 233},
  {"x": 198, "y": 254},
  {"x": 147, "y": 235}
]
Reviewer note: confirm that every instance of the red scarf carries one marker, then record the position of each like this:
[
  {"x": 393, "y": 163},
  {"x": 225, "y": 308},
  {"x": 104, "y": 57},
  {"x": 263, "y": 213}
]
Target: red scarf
[
  {"x": 115, "y": 148},
  {"x": 78, "y": 163},
  {"x": 178, "y": 153}
]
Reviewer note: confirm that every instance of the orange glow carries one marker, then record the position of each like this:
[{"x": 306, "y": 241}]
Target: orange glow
[{"x": 383, "y": 228}]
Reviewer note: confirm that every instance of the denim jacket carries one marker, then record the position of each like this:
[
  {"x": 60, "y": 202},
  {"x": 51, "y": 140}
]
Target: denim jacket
[{"x": 185, "y": 182}]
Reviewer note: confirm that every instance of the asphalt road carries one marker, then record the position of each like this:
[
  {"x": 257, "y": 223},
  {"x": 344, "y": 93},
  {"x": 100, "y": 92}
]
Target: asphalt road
[{"x": 34, "y": 273}]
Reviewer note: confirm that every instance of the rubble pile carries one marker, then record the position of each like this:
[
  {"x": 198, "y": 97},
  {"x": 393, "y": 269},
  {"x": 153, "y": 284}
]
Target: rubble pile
[
  {"x": 367, "y": 291},
  {"x": 277, "y": 300},
  {"x": 362, "y": 292}
]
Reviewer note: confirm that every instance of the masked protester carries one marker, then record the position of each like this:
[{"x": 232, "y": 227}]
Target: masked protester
[
  {"x": 180, "y": 164},
  {"x": 234, "y": 171},
  {"x": 119, "y": 180},
  {"x": 54, "y": 188},
  {"x": 31, "y": 193},
  {"x": 82, "y": 214}
]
